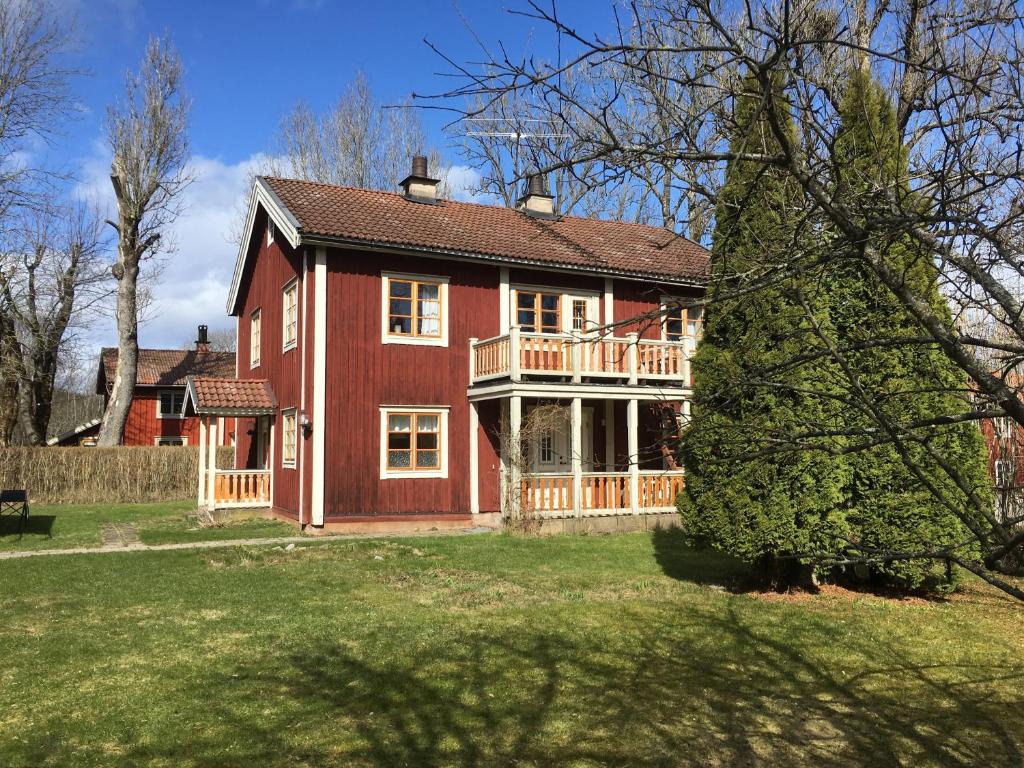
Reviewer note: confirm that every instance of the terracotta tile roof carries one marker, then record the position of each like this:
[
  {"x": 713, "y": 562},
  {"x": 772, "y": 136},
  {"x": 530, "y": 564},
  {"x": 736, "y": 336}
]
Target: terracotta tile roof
[
  {"x": 389, "y": 218},
  {"x": 249, "y": 395},
  {"x": 171, "y": 367}
]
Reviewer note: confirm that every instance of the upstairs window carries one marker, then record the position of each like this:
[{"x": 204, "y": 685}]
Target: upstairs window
[
  {"x": 290, "y": 315},
  {"x": 171, "y": 404},
  {"x": 682, "y": 323},
  {"x": 254, "y": 338},
  {"x": 414, "y": 309},
  {"x": 579, "y": 314},
  {"x": 538, "y": 312}
]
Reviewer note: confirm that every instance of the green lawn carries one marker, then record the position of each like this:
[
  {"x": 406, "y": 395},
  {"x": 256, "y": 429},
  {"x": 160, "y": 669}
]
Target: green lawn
[
  {"x": 78, "y": 525},
  {"x": 488, "y": 650}
]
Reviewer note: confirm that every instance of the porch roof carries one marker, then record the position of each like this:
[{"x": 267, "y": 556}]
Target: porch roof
[{"x": 228, "y": 397}]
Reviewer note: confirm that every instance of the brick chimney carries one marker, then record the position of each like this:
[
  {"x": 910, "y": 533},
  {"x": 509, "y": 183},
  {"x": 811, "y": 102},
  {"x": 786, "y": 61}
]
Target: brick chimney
[
  {"x": 417, "y": 185},
  {"x": 536, "y": 202},
  {"x": 202, "y": 340}
]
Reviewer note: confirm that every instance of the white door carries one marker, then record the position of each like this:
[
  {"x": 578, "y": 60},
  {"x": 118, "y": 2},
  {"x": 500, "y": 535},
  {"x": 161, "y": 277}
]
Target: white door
[
  {"x": 581, "y": 313},
  {"x": 262, "y": 442},
  {"x": 552, "y": 451}
]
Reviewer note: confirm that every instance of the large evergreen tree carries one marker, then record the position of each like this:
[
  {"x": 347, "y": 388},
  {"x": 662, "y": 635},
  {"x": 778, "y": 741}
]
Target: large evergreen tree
[
  {"x": 891, "y": 508},
  {"x": 746, "y": 493}
]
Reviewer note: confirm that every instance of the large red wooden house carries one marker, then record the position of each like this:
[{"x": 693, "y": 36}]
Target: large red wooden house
[{"x": 392, "y": 346}]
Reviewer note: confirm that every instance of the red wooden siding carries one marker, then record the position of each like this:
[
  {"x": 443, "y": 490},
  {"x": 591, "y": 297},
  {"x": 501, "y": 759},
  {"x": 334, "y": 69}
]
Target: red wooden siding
[
  {"x": 143, "y": 427},
  {"x": 635, "y": 299},
  {"x": 262, "y": 287}
]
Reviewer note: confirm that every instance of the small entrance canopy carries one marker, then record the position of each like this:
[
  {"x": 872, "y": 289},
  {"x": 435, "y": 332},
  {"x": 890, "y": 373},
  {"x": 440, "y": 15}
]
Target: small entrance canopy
[{"x": 210, "y": 399}]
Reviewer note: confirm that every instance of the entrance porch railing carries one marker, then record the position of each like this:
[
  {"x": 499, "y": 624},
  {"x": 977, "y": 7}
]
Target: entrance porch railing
[{"x": 602, "y": 493}]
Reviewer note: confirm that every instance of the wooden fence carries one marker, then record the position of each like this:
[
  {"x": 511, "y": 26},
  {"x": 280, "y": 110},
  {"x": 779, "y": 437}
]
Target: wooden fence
[{"x": 96, "y": 475}]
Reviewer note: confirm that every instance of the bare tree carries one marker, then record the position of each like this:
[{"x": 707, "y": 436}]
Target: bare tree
[
  {"x": 58, "y": 274},
  {"x": 33, "y": 102},
  {"x": 954, "y": 71},
  {"x": 148, "y": 136},
  {"x": 360, "y": 142}
]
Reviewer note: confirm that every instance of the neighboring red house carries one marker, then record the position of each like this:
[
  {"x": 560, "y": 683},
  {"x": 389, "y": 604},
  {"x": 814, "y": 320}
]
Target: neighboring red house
[
  {"x": 155, "y": 416},
  {"x": 402, "y": 341}
]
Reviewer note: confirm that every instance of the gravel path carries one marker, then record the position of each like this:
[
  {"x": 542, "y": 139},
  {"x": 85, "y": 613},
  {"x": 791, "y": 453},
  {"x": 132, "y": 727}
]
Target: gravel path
[{"x": 277, "y": 541}]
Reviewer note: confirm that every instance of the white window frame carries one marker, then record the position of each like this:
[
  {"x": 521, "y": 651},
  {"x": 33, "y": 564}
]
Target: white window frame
[
  {"x": 293, "y": 414},
  {"x": 442, "y": 412},
  {"x": 1005, "y": 471},
  {"x": 164, "y": 438},
  {"x": 670, "y": 301},
  {"x": 271, "y": 229},
  {"x": 176, "y": 416},
  {"x": 386, "y": 336},
  {"x": 286, "y": 344},
  {"x": 255, "y": 337}
]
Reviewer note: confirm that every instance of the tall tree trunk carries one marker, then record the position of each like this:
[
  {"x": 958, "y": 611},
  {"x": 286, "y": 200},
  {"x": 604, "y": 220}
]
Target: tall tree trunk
[
  {"x": 127, "y": 273},
  {"x": 10, "y": 366}
]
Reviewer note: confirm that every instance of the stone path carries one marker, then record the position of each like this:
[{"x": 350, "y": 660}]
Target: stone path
[
  {"x": 137, "y": 546},
  {"x": 118, "y": 535}
]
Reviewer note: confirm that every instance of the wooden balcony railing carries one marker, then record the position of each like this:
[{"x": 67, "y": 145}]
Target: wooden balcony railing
[
  {"x": 241, "y": 488},
  {"x": 603, "y": 493},
  {"x": 519, "y": 355}
]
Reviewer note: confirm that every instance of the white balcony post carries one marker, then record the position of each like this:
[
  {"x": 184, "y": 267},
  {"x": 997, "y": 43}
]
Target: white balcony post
[
  {"x": 576, "y": 453},
  {"x": 201, "y": 501},
  {"x": 211, "y": 457},
  {"x": 513, "y": 352},
  {"x": 515, "y": 423},
  {"x": 472, "y": 358},
  {"x": 576, "y": 350},
  {"x": 609, "y": 435},
  {"x": 474, "y": 458},
  {"x": 633, "y": 352},
  {"x": 632, "y": 428}
]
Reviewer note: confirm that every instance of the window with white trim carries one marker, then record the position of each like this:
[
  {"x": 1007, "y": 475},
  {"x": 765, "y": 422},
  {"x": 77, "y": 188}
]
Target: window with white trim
[
  {"x": 171, "y": 441},
  {"x": 289, "y": 437},
  {"x": 170, "y": 404},
  {"x": 290, "y": 315},
  {"x": 414, "y": 309},
  {"x": 271, "y": 230},
  {"x": 414, "y": 441},
  {"x": 683, "y": 322},
  {"x": 1006, "y": 472},
  {"x": 254, "y": 337},
  {"x": 539, "y": 312}
]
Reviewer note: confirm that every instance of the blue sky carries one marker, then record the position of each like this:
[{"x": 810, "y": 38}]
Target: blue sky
[{"x": 247, "y": 63}]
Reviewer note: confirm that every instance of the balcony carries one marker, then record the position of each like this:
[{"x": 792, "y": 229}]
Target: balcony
[{"x": 519, "y": 355}]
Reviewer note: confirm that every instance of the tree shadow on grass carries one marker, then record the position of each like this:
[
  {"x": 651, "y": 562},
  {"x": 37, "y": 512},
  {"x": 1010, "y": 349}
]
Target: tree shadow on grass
[
  {"x": 35, "y": 525},
  {"x": 698, "y": 566},
  {"x": 681, "y": 686}
]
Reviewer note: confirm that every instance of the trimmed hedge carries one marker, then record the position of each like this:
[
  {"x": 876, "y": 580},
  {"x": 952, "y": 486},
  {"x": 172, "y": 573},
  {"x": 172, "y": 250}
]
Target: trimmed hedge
[{"x": 96, "y": 475}]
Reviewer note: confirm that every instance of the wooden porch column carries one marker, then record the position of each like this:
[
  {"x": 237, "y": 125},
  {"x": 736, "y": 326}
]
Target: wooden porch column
[
  {"x": 609, "y": 435},
  {"x": 632, "y": 429},
  {"x": 576, "y": 454},
  {"x": 211, "y": 468},
  {"x": 201, "y": 501},
  {"x": 474, "y": 458},
  {"x": 515, "y": 424}
]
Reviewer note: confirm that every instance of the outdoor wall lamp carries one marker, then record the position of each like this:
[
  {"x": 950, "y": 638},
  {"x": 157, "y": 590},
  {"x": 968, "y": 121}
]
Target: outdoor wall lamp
[{"x": 307, "y": 425}]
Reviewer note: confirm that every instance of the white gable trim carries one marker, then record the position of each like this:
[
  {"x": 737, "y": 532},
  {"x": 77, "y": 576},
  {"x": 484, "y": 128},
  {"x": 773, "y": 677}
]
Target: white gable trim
[{"x": 284, "y": 222}]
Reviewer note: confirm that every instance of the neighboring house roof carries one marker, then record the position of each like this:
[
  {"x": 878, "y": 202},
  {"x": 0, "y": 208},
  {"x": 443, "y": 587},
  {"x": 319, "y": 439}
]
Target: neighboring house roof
[
  {"x": 170, "y": 367},
  {"x": 78, "y": 431},
  {"x": 229, "y": 397},
  {"x": 306, "y": 210}
]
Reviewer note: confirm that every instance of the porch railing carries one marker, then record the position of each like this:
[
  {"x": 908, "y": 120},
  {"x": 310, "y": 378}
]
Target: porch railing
[
  {"x": 603, "y": 493},
  {"x": 519, "y": 354},
  {"x": 241, "y": 488}
]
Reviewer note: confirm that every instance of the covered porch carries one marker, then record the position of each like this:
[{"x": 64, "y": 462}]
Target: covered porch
[
  {"x": 213, "y": 400},
  {"x": 581, "y": 452}
]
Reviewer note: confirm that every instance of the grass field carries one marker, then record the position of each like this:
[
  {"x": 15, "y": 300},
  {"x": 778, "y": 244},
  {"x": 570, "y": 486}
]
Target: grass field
[
  {"x": 489, "y": 650},
  {"x": 78, "y": 525}
]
